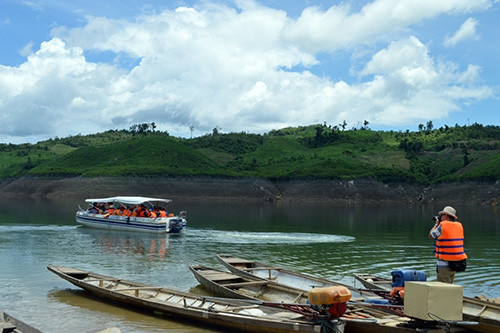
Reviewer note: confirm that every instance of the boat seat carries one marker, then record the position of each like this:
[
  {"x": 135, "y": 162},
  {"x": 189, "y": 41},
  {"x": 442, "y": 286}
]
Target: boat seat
[
  {"x": 259, "y": 268},
  {"x": 221, "y": 276},
  {"x": 238, "y": 261},
  {"x": 242, "y": 284}
]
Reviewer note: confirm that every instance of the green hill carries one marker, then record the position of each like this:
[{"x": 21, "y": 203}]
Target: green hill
[{"x": 457, "y": 153}]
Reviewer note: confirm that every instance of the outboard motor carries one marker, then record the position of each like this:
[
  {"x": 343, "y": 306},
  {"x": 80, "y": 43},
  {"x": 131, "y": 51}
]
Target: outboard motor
[{"x": 330, "y": 299}]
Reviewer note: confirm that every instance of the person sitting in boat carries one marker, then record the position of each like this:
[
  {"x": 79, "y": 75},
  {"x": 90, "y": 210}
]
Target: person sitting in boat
[
  {"x": 110, "y": 211},
  {"x": 126, "y": 211},
  {"x": 133, "y": 211},
  {"x": 120, "y": 211},
  {"x": 141, "y": 211},
  {"x": 162, "y": 212},
  {"x": 93, "y": 209}
]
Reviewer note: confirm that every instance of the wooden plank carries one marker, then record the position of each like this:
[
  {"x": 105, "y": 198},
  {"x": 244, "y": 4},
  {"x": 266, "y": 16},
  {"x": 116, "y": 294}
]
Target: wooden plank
[
  {"x": 237, "y": 261},
  {"x": 223, "y": 276},
  {"x": 242, "y": 284},
  {"x": 137, "y": 288},
  {"x": 259, "y": 268}
]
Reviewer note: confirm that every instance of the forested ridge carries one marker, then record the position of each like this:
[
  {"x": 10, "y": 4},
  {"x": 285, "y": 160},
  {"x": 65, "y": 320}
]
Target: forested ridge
[{"x": 425, "y": 156}]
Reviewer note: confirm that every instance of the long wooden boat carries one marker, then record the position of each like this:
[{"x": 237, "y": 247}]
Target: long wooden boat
[
  {"x": 237, "y": 315},
  {"x": 486, "y": 313},
  {"x": 359, "y": 317},
  {"x": 226, "y": 284},
  {"x": 11, "y": 324},
  {"x": 97, "y": 215},
  {"x": 283, "y": 277}
]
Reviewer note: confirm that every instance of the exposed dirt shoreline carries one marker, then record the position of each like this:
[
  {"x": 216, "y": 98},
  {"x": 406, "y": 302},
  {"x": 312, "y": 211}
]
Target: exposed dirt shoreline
[{"x": 250, "y": 189}]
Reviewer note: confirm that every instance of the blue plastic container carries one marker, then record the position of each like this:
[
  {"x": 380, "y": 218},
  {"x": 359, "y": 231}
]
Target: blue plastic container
[
  {"x": 376, "y": 301},
  {"x": 399, "y": 277}
]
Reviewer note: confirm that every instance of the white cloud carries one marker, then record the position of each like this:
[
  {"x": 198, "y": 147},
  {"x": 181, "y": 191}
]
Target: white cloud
[
  {"x": 467, "y": 31},
  {"x": 338, "y": 27},
  {"x": 213, "y": 65},
  {"x": 26, "y": 50}
]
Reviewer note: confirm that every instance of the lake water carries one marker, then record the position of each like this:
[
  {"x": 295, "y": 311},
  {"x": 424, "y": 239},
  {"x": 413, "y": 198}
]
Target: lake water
[{"x": 319, "y": 239}]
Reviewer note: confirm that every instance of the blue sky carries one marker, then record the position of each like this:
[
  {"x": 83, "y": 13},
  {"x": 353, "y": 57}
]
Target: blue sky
[{"x": 85, "y": 66}]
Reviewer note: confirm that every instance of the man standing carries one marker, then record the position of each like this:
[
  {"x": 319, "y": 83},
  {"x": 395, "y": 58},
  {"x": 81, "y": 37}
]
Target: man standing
[{"x": 449, "y": 236}]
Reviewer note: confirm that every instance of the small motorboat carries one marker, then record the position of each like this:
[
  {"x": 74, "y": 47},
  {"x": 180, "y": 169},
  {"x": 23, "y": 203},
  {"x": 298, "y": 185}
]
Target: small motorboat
[{"x": 131, "y": 213}]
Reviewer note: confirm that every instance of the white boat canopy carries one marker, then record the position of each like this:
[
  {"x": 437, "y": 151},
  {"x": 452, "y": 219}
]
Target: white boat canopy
[{"x": 129, "y": 200}]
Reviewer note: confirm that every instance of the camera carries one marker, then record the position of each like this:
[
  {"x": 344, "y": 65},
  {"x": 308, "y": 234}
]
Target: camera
[{"x": 436, "y": 218}]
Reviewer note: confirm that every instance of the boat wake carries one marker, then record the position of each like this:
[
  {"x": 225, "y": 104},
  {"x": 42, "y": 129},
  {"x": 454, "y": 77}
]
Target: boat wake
[
  {"x": 35, "y": 227},
  {"x": 239, "y": 237}
]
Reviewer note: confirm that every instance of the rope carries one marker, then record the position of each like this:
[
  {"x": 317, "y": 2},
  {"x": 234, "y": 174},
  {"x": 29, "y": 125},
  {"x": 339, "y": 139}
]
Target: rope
[
  {"x": 327, "y": 326},
  {"x": 447, "y": 323}
]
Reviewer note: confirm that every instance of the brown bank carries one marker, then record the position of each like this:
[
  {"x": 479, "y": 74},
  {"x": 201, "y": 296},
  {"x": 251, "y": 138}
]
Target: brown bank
[{"x": 204, "y": 188}]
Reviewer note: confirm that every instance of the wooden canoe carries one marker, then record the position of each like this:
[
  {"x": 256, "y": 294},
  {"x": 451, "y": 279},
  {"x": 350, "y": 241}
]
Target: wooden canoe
[
  {"x": 359, "y": 317},
  {"x": 486, "y": 313},
  {"x": 11, "y": 324},
  {"x": 226, "y": 284},
  {"x": 283, "y": 277},
  {"x": 237, "y": 315}
]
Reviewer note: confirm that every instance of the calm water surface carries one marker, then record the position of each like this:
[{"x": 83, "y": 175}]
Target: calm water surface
[{"x": 320, "y": 239}]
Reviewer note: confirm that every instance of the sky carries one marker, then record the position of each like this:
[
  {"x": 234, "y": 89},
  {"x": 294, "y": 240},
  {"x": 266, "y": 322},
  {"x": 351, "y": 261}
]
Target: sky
[{"x": 70, "y": 67}]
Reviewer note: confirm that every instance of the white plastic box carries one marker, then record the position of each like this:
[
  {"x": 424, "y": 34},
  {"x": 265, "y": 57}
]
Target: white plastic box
[{"x": 433, "y": 300}]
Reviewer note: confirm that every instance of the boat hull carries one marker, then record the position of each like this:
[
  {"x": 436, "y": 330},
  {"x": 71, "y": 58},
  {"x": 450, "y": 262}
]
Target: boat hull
[
  {"x": 140, "y": 224},
  {"x": 235, "y": 315}
]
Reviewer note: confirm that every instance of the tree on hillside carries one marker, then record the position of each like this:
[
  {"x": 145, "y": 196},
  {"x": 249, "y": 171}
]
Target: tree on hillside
[
  {"x": 142, "y": 128},
  {"x": 430, "y": 126}
]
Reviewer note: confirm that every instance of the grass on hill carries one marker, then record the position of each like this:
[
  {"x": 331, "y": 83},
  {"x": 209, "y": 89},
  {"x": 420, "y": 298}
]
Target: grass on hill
[{"x": 307, "y": 152}]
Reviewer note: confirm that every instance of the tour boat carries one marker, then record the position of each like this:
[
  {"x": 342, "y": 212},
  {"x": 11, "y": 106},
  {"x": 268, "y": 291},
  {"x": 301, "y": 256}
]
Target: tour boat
[{"x": 105, "y": 213}]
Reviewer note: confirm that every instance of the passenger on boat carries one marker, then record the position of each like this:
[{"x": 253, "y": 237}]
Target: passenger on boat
[
  {"x": 111, "y": 209},
  {"x": 126, "y": 211},
  {"x": 94, "y": 208},
  {"x": 162, "y": 212}
]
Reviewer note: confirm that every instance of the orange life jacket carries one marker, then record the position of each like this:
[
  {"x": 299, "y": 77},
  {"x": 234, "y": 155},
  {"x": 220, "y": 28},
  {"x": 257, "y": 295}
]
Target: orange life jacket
[
  {"x": 152, "y": 215},
  {"x": 163, "y": 213},
  {"x": 450, "y": 245}
]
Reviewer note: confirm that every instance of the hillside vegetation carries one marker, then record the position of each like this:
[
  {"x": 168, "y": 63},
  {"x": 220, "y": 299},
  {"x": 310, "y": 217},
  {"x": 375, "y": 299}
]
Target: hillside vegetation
[{"x": 426, "y": 156}]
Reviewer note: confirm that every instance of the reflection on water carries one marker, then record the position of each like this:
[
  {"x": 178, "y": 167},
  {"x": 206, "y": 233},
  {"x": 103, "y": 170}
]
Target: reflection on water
[
  {"x": 107, "y": 314},
  {"x": 330, "y": 242},
  {"x": 154, "y": 247}
]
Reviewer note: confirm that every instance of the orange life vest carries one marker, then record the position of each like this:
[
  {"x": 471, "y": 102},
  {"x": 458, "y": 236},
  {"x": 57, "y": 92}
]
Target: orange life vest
[
  {"x": 450, "y": 245},
  {"x": 163, "y": 213}
]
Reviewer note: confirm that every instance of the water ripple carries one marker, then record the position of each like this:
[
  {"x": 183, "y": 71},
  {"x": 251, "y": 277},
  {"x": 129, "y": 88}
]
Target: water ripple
[{"x": 237, "y": 237}]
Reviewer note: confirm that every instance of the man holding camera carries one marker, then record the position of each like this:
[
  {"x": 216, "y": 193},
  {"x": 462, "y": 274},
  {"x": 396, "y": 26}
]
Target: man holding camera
[{"x": 449, "y": 251}]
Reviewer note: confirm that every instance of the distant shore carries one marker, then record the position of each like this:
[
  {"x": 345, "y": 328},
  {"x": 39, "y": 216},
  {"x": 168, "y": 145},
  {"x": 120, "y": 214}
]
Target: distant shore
[{"x": 253, "y": 189}]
